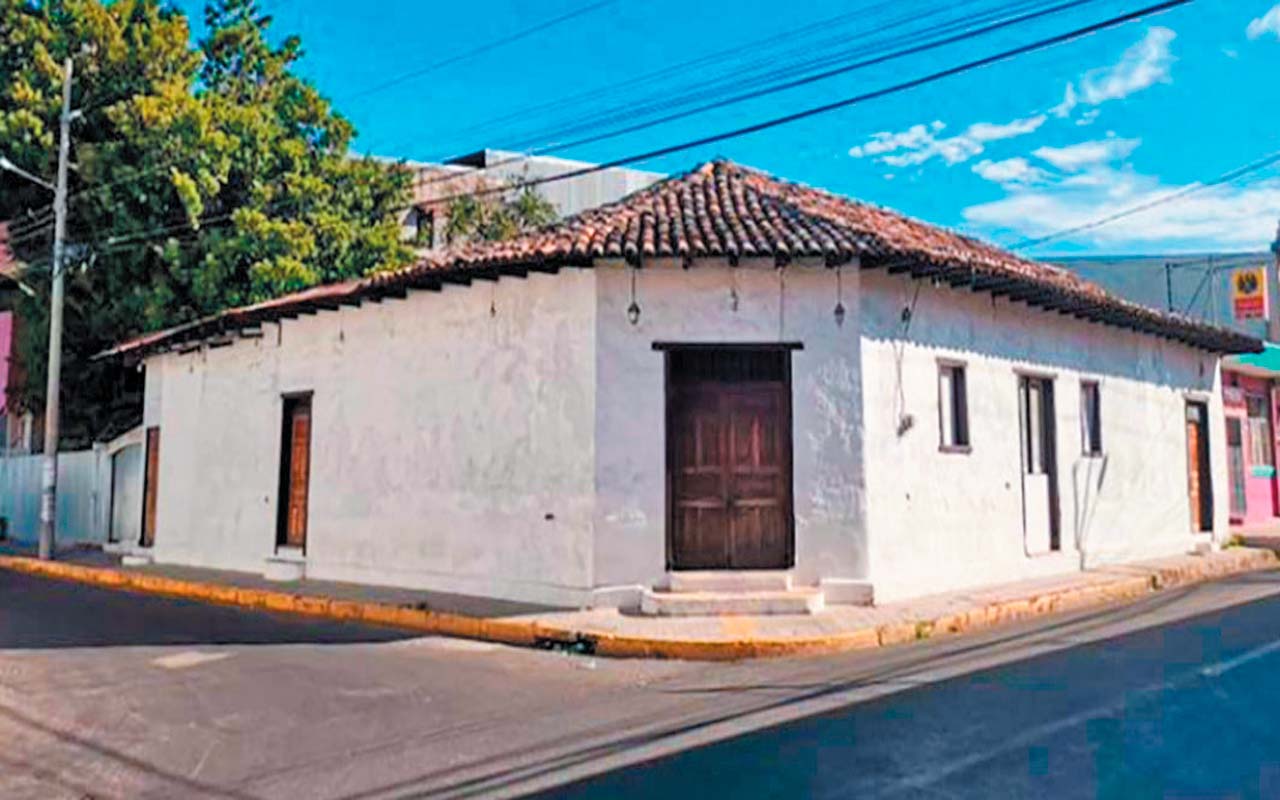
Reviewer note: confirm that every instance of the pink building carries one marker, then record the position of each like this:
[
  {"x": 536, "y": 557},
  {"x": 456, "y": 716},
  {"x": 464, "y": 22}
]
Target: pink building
[{"x": 1251, "y": 402}]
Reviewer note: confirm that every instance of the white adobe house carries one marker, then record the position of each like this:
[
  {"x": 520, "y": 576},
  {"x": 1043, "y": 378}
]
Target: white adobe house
[{"x": 721, "y": 380}]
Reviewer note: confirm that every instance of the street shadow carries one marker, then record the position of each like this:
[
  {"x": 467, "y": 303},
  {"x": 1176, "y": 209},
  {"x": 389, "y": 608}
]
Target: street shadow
[
  {"x": 39, "y": 613},
  {"x": 902, "y": 669}
]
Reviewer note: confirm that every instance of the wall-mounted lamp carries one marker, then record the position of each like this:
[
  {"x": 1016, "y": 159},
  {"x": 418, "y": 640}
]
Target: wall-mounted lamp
[{"x": 633, "y": 310}]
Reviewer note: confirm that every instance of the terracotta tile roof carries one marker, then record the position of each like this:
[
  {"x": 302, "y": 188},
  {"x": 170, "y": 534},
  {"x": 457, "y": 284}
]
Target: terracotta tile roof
[{"x": 726, "y": 210}]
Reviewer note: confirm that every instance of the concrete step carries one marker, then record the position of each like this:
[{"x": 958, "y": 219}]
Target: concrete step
[
  {"x": 730, "y": 581},
  {"x": 711, "y": 604},
  {"x": 285, "y": 569},
  {"x": 135, "y": 560}
]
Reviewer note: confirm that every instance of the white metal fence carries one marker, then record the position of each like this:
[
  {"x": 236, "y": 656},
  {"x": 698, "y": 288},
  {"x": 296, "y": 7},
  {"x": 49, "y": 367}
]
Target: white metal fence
[{"x": 86, "y": 480}]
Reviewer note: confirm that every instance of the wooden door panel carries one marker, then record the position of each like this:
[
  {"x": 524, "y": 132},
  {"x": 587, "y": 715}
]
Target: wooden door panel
[
  {"x": 729, "y": 460},
  {"x": 1193, "y": 474},
  {"x": 703, "y": 537},
  {"x": 299, "y": 475},
  {"x": 759, "y": 492},
  {"x": 151, "y": 487},
  {"x": 760, "y": 536},
  {"x": 295, "y": 473}
]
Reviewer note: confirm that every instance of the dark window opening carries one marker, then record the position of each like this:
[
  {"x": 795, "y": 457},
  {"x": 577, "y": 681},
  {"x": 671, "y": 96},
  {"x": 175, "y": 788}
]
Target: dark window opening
[
  {"x": 953, "y": 407},
  {"x": 729, "y": 366},
  {"x": 1091, "y": 418}
]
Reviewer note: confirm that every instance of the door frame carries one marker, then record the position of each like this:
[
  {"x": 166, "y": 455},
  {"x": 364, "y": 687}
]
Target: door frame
[
  {"x": 1049, "y": 425},
  {"x": 788, "y": 422},
  {"x": 284, "y": 492},
  {"x": 1205, "y": 465},
  {"x": 150, "y": 486}
]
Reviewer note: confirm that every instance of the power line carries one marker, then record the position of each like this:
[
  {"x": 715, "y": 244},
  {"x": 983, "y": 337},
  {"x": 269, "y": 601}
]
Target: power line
[
  {"x": 824, "y": 75},
  {"x": 885, "y": 55},
  {"x": 481, "y": 49},
  {"x": 863, "y": 63},
  {"x": 1226, "y": 177},
  {"x": 793, "y": 35},
  {"x": 969, "y": 66}
]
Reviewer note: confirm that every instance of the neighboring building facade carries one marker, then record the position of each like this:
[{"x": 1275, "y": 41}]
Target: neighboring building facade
[
  {"x": 426, "y": 222},
  {"x": 1252, "y": 407},
  {"x": 724, "y": 372},
  {"x": 1199, "y": 285}
]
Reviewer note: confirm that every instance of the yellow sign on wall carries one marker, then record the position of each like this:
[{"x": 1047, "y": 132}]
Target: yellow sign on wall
[{"x": 1249, "y": 293}]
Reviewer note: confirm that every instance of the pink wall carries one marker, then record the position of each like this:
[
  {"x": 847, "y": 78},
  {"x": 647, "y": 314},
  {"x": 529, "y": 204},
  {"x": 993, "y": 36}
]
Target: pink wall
[
  {"x": 1260, "y": 487},
  {"x": 6, "y": 347}
]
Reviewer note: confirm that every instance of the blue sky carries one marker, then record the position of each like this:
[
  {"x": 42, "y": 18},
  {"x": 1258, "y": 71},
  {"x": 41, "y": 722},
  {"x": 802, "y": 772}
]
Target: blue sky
[{"x": 1011, "y": 151}]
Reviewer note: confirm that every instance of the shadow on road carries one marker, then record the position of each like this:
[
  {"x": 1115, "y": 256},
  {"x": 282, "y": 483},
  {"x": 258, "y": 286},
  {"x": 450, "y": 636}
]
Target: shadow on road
[
  {"x": 38, "y": 613},
  {"x": 898, "y": 668}
]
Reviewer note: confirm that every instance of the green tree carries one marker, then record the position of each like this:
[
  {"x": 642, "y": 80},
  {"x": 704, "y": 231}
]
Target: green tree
[
  {"x": 207, "y": 176},
  {"x": 496, "y": 216}
]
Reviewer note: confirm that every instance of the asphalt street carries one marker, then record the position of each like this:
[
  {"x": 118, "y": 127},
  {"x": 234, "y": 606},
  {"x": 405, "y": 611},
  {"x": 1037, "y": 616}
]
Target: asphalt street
[{"x": 113, "y": 695}]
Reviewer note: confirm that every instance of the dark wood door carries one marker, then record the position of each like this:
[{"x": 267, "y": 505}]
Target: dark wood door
[
  {"x": 1199, "y": 481},
  {"x": 730, "y": 473},
  {"x": 295, "y": 472},
  {"x": 150, "y": 487}
]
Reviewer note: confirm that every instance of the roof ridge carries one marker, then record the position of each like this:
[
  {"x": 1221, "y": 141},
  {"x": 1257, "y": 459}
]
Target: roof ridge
[{"x": 720, "y": 209}]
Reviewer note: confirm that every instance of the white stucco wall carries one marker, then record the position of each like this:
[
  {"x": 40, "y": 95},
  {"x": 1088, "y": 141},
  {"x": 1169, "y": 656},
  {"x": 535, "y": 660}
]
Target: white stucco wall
[
  {"x": 521, "y": 453},
  {"x": 694, "y": 305},
  {"x": 452, "y": 447},
  {"x": 941, "y": 521}
]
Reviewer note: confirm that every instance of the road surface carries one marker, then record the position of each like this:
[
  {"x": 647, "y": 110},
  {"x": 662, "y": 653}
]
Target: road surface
[{"x": 112, "y": 695}]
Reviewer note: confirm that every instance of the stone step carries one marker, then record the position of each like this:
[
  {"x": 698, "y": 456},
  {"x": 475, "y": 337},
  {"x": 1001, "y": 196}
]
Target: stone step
[
  {"x": 710, "y": 604},
  {"x": 730, "y": 581},
  {"x": 284, "y": 569}
]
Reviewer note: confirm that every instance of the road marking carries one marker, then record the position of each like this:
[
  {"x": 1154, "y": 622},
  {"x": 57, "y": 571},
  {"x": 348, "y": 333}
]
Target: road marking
[
  {"x": 926, "y": 779},
  {"x": 188, "y": 658},
  {"x": 1222, "y": 667}
]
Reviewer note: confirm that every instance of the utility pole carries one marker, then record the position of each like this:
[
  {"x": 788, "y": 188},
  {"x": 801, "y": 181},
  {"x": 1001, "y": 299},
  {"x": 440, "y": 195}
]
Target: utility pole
[
  {"x": 1273, "y": 286},
  {"x": 49, "y": 476}
]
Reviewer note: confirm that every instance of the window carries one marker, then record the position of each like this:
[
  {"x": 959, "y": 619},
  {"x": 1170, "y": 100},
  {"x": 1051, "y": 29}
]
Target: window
[
  {"x": 1090, "y": 418},
  {"x": 953, "y": 408},
  {"x": 1261, "y": 448}
]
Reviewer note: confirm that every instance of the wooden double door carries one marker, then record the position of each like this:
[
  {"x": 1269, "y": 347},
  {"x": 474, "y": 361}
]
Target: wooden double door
[{"x": 729, "y": 460}]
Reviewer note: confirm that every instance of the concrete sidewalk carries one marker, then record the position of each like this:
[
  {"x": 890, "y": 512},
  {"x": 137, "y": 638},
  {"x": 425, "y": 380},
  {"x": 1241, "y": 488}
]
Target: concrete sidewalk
[{"x": 609, "y": 632}]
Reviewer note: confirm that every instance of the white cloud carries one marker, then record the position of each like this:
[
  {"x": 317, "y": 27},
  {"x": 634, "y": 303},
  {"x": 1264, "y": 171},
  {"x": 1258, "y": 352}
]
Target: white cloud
[
  {"x": 1069, "y": 102},
  {"x": 1088, "y": 117},
  {"x": 1010, "y": 172},
  {"x": 1091, "y": 181},
  {"x": 1222, "y": 217},
  {"x": 1141, "y": 66},
  {"x": 1267, "y": 23},
  {"x": 920, "y": 143},
  {"x": 1076, "y": 157},
  {"x": 886, "y": 142}
]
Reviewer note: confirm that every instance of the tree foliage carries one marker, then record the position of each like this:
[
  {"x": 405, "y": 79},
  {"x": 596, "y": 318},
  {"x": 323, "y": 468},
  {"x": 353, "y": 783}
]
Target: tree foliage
[
  {"x": 498, "y": 215},
  {"x": 206, "y": 176}
]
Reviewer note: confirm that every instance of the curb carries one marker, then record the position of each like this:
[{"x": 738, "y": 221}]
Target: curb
[{"x": 527, "y": 633}]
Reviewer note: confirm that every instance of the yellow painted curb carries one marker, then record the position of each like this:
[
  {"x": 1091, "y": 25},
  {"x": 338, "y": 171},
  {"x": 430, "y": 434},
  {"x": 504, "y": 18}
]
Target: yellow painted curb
[{"x": 743, "y": 645}]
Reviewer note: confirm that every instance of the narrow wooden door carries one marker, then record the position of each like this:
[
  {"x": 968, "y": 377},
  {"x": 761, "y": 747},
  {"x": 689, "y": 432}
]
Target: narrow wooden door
[
  {"x": 729, "y": 461},
  {"x": 295, "y": 472},
  {"x": 759, "y": 476},
  {"x": 699, "y": 479},
  {"x": 150, "y": 487},
  {"x": 1199, "y": 487}
]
